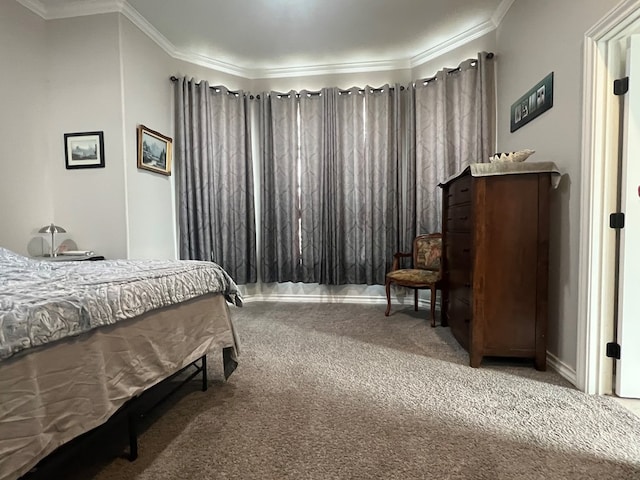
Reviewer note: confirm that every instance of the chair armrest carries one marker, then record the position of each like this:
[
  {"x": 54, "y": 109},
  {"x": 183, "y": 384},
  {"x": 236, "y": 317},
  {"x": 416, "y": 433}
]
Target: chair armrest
[{"x": 397, "y": 257}]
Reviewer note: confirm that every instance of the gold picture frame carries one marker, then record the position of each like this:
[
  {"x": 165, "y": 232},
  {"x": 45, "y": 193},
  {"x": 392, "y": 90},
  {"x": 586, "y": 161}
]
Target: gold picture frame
[{"x": 154, "y": 151}]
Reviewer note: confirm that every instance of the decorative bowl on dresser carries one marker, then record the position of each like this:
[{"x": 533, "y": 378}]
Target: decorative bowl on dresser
[{"x": 495, "y": 227}]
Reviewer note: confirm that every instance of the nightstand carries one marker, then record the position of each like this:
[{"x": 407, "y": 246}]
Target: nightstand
[{"x": 73, "y": 258}]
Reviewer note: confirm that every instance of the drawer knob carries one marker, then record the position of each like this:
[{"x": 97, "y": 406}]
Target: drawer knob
[{"x": 464, "y": 190}]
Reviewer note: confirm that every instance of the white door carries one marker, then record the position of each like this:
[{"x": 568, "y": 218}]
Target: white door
[{"x": 628, "y": 367}]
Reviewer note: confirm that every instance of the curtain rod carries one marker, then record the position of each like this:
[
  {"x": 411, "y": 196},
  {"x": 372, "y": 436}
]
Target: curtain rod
[
  {"x": 340, "y": 91},
  {"x": 251, "y": 97},
  {"x": 450, "y": 70},
  {"x": 173, "y": 78},
  {"x": 489, "y": 55}
]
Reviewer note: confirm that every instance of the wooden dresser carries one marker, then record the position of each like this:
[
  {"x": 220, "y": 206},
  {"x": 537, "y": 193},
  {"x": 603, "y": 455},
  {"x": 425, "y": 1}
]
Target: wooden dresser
[{"x": 495, "y": 259}]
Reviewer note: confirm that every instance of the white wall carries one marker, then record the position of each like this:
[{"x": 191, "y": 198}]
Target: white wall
[
  {"x": 148, "y": 101},
  {"x": 25, "y": 185},
  {"x": 83, "y": 56},
  {"x": 534, "y": 39},
  {"x": 90, "y": 73}
]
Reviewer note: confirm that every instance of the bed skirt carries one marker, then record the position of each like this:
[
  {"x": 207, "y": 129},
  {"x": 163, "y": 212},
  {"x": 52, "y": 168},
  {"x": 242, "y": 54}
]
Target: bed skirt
[{"x": 55, "y": 393}]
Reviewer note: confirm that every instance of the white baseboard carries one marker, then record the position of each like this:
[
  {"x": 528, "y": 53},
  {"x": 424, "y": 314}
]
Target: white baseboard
[
  {"x": 317, "y": 298},
  {"x": 562, "y": 368},
  {"x": 330, "y": 298}
]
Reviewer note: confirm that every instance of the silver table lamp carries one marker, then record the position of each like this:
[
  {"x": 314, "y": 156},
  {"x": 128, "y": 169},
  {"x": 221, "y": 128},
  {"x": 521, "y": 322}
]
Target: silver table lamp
[{"x": 52, "y": 229}]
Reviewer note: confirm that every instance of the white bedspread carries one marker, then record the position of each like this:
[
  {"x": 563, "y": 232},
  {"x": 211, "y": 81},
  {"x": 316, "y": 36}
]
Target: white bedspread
[{"x": 41, "y": 302}]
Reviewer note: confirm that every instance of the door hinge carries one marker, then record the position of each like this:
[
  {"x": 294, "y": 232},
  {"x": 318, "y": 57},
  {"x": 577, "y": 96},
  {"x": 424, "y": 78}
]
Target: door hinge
[
  {"x": 613, "y": 350},
  {"x": 616, "y": 220},
  {"x": 621, "y": 86}
]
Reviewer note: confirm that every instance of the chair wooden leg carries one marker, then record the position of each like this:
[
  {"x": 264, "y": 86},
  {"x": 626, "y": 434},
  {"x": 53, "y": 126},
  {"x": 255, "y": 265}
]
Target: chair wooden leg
[
  {"x": 433, "y": 306},
  {"x": 387, "y": 287},
  {"x": 415, "y": 299}
]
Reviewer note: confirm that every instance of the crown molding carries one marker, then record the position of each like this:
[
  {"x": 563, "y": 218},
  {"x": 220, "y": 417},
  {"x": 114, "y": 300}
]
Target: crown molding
[
  {"x": 218, "y": 65},
  {"x": 334, "y": 68},
  {"x": 75, "y": 8},
  {"x": 78, "y": 8},
  {"x": 149, "y": 30},
  {"x": 452, "y": 43},
  {"x": 35, "y": 6},
  {"x": 501, "y": 11},
  {"x": 611, "y": 26}
]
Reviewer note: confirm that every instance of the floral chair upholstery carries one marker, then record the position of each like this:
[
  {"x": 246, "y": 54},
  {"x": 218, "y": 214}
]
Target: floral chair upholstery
[{"x": 426, "y": 271}]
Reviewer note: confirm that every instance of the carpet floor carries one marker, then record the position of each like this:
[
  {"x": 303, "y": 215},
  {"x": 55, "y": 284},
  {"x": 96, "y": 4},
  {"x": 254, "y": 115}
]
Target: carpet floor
[{"x": 339, "y": 391}]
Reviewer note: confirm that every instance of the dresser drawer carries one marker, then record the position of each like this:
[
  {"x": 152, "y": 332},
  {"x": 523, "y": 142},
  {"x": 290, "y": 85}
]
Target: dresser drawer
[
  {"x": 459, "y": 315},
  {"x": 459, "y": 218},
  {"x": 459, "y": 278},
  {"x": 460, "y": 191},
  {"x": 458, "y": 251},
  {"x": 462, "y": 294}
]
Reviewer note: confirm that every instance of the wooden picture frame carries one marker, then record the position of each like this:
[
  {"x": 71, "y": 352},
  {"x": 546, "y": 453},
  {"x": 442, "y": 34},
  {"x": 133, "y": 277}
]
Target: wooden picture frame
[
  {"x": 154, "y": 151},
  {"x": 84, "y": 150}
]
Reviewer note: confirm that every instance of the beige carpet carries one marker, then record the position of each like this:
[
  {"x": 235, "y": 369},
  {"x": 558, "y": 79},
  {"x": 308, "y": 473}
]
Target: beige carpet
[{"x": 330, "y": 391}]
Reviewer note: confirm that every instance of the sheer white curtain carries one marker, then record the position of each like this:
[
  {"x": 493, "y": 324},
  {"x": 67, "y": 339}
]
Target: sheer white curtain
[{"x": 454, "y": 126}]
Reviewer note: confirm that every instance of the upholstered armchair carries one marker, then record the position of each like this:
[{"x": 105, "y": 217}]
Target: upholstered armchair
[{"x": 425, "y": 272}]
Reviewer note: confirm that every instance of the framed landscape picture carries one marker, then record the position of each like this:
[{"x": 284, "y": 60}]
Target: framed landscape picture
[
  {"x": 154, "y": 151},
  {"x": 84, "y": 150}
]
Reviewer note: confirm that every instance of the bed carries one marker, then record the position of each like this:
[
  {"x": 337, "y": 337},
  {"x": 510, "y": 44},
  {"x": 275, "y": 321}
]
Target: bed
[{"x": 81, "y": 340}]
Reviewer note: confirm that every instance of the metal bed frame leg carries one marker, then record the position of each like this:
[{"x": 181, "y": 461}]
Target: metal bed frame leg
[
  {"x": 133, "y": 416},
  {"x": 133, "y": 437},
  {"x": 204, "y": 373}
]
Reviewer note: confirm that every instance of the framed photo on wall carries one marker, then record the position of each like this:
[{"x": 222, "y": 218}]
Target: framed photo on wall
[
  {"x": 536, "y": 101},
  {"x": 84, "y": 150},
  {"x": 154, "y": 151}
]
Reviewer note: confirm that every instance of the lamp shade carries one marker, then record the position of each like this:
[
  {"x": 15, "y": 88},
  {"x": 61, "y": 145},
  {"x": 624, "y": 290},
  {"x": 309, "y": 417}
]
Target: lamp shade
[{"x": 52, "y": 229}]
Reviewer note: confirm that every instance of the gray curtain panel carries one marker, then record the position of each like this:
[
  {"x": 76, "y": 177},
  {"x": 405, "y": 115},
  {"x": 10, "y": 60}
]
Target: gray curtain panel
[
  {"x": 407, "y": 176},
  {"x": 214, "y": 173},
  {"x": 317, "y": 149},
  {"x": 279, "y": 140},
  {"x": 455, "y": 126},
  {"x": 330, "y": 169},
  {"x": 364, "y": 192}
]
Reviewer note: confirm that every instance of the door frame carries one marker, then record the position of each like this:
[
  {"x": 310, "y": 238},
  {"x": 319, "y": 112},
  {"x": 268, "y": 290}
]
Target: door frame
[{"x": 594, "y": 371}]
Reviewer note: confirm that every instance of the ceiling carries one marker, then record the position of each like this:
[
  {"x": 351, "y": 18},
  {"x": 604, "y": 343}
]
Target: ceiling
[{"x": 263, "y": 38}]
